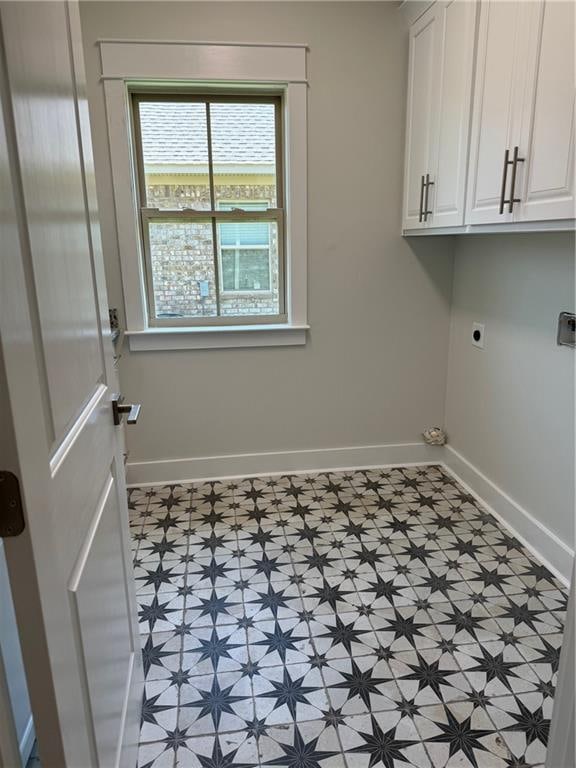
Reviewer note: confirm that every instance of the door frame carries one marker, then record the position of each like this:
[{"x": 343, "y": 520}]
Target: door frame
[
  {"x": 17, "y": 734},
  {"x": 561, "y": 749}
]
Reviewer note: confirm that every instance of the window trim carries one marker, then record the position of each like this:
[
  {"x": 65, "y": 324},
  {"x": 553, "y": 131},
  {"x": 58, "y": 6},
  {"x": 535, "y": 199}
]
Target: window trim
[
  {"x": 218, "y": 337},
  {"x": 269, "y": 68}
]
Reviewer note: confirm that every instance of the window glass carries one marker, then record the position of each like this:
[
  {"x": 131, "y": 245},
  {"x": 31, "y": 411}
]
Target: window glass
[
  {"x": 250, "y": 272},
  {"x": 182, "y": 265},
  {"x": 244, "y": 152},
  {"x": 175, "y": 154},
  {"x": 246, "y": 269}
]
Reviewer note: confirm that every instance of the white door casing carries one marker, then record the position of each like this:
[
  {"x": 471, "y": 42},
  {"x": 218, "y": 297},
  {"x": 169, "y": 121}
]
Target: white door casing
[
  {"x": 70, "y": 570},
  {"x": 13, "y": 689},
  {"x": 561, "y": 743}
]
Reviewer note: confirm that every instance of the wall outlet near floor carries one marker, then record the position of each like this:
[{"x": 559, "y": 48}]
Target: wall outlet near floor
[{"x": 478, "y": 335}]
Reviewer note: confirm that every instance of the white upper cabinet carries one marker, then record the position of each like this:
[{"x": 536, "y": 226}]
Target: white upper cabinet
[
  {"x": 522, "y": 140},
  {"x": 501, "y": 72},
  {"x": 547, "y": 191},
  {"x": 446, "y": 200},
  {"x": 422, "y": 100},
  {"x": 439, "y": 94},
  {"x": 512, "y": 161}
]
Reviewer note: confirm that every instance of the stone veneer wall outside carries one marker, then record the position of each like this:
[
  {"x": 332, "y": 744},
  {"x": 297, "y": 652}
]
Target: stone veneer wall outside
[{"x": 182, "y": 255}]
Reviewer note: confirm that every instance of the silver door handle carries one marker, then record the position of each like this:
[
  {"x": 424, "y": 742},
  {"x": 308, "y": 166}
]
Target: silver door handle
[{"x": 119, "y": 408}]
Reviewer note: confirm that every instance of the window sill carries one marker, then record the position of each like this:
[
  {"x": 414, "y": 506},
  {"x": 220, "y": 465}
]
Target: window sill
[{"x": 217, "y": 337}]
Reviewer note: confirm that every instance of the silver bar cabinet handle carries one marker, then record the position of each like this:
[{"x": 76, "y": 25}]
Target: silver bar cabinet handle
[
  {"x": 507, "y": 162},
  {"x": 515, "y": 161},
  {"x": 421, "y": 211},
  {"x": 428, "y": 185}
]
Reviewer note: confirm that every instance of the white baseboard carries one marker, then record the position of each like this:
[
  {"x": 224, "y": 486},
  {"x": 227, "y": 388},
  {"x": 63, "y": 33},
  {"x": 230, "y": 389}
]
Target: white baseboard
[
  {"x": 279, "y": 462},
  {"x": 544, "y": 543}
]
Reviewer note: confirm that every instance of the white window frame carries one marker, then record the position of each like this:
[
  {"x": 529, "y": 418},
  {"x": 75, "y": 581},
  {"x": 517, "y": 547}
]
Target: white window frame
[{"x": 262, "y": 67}]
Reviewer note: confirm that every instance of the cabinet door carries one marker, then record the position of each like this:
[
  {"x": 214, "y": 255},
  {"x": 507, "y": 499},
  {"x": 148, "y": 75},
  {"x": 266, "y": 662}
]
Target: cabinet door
[
  {"x": 547, "y": 191},
  {"x": 498, "y": 96},
  {"x": 457, "y": 24},
  {"x": 422, "y": 108}
]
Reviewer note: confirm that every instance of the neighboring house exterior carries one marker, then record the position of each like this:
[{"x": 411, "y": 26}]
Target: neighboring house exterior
[{"x": 176, "y": 168}]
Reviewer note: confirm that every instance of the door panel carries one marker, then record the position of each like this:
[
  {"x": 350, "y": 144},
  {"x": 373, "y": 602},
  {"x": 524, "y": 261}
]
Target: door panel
[
  {"x": 499, "y": 90},
  {"x": 422, "y": 90},
  {"x": 45, "y": 122},
  {"x": 99, "y": 599},
  {"x": 457, "y": 22},
  {"x": 548, "y": 130},
  {"x": 70, "y": 570}
]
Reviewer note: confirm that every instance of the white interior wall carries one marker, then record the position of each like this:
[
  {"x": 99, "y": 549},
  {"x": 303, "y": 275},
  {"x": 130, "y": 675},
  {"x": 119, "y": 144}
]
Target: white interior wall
[
  {"x": 373, "y": 370},
  {"x": 510, "y": 406}
]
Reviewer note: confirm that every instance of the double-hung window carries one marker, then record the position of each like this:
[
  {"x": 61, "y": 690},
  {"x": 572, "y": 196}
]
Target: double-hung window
[
  {"x": 211, "y": 206},
  {"x": 208, "y": 157}
]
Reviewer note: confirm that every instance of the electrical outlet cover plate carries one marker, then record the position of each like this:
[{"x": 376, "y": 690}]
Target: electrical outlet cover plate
[{"x": 478, "y": 335}]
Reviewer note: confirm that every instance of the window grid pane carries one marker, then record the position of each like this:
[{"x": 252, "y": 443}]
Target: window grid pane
[
  {"x": 174, "y": 155},
  {"x": 245, "y": 269},
  {"x": 182, "y": 281},
  {"x": 249, "y": 150}
]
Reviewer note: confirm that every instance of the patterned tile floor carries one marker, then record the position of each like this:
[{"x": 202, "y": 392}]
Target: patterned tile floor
[{"x": 340, "y": 620}]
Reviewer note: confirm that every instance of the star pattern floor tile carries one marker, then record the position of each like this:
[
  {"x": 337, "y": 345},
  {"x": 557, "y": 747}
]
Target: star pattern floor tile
[{"x": 366, "y": 619}]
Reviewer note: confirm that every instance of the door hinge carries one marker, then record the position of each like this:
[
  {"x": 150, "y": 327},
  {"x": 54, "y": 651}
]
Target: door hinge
[{"x": 11, "y": 514}]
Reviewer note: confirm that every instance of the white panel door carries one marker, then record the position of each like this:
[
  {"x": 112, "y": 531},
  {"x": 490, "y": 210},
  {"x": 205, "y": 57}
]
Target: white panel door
[
  {"x": 70, "y": 570},
  {"x": 501, "y": 64},
  {"x": 421, "y": 115},
  {"x": 457, "y": 25},
  {"x": 548, "y": 124}
]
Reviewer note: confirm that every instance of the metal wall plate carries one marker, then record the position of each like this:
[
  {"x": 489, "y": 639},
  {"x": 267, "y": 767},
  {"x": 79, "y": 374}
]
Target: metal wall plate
[
  {"x": 11, "y": 514},
  {"x": 566, "y": 329}
]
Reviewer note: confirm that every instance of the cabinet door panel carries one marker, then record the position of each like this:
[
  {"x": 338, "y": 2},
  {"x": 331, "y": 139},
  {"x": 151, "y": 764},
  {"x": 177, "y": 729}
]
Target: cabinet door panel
[
  {"x": 422, "y": 89},
  {"x": 548, "y": 129},
  {"x": 499, "y": 90},
  {"x": 457, "y": 20}
]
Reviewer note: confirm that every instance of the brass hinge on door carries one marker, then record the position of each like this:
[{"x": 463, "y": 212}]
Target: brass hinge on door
[{"x": 11, "y": 514}]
